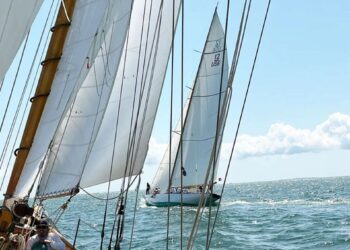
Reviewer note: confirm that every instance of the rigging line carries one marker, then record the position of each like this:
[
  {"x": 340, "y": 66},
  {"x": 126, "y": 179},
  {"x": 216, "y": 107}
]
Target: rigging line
[
  {"x": 230, "y": 80},
  {"x": 143, "y": 81},
  {"x": 21, "y": 99},
  {"x": 14, "y": 81},
  {"x": 200, "y": 208},
  {"x": 110, "y": 198},
  {"x": 131, "y": 147},
  {"x": 149, "y": 88},
  {"x": 143, "y": 84},
  {"x": 243, "y": 105},
  {"x": 114, "y": 145},
  {"x": 132, "y": 143},
  {"x": 182, "y": 121},
  {"x": 170, "y": 121},
  {"x": 135, "y": 207},
  {"x": 218, "y": 126},
  {"x": 132, "y": 131},
  {"x": 65, "y": 10},
  {"x": 240, "y": 42}
]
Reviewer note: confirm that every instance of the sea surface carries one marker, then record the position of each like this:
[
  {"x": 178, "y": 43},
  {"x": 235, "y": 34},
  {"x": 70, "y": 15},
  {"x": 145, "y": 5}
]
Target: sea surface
[{"x": 288, "y": 214}]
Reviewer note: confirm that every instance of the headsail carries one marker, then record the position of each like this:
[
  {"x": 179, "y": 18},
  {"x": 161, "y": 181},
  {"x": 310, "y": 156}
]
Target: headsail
[
  {"x": 16, "y": 17},
  {"x": 90, "y": 22},
  {"x": 137, "y": 86},
  {"x": 200, "y": 122}
]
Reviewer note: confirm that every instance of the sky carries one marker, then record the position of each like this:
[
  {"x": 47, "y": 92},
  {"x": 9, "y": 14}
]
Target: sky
[{"x": 296, "y": 123}]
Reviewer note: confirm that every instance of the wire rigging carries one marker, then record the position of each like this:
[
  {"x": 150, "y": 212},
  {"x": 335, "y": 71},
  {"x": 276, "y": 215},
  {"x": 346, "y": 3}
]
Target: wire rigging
[{"x": 242, "y": 108}]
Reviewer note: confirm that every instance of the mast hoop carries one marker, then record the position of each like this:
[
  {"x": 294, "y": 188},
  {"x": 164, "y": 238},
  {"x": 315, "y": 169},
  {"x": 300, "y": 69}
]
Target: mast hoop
[
  {"x": 56, "y": 58},
  {"x": 60, "y": 25},
  {"x": 38, "y": 96},
  {"x": 21, "y": 148}
]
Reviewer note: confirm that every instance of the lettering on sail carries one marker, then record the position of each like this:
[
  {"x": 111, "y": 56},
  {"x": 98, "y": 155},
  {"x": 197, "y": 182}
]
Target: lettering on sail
[{"x": 217, "y": 49}]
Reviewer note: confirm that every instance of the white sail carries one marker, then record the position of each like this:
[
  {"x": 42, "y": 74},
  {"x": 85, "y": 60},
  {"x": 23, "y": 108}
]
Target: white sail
[
  {"x": 201, "y": 120},
  {"x": 90, "y": 23},
  {"x": 16, "y": 17},
  {"x": 147, "y": 71}
]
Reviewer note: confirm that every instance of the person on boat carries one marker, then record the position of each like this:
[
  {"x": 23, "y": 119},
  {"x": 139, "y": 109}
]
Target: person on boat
[
  {"x": 148, "y": 188},
  {"x": 44, "y": 239}
]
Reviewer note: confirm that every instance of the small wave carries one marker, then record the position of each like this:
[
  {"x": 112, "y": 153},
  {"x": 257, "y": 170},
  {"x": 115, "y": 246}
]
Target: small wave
[{"x": 288, "y": 202}]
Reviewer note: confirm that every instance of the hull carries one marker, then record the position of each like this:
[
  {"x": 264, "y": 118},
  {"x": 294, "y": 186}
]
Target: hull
[{"x": 188, "y": 199}]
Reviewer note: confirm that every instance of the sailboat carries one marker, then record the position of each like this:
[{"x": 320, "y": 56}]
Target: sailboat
[
  {"x": 102, "y": 74},
  {"x": 182, "y": 181}
]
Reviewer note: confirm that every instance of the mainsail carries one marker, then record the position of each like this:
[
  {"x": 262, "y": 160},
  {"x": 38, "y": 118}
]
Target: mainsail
[
  {"x": 91, "y": 22},
  {"x": 16, "y": 17},
  {"x": 200, "y": 121}
]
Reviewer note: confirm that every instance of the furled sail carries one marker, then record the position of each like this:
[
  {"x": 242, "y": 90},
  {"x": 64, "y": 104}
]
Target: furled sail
[
  {"x": 87, "y": 35},
  {"x": 16, "y": 17},
  {"x": 82, "y": 151},
  {"x": 200, "y": 122}
]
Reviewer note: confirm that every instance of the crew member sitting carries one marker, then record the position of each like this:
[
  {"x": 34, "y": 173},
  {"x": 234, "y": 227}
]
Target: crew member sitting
[{"x": 45, "y": 239}]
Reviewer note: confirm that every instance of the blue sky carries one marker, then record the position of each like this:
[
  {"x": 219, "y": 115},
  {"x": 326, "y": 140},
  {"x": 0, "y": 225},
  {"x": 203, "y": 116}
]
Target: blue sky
[{"x": 297, "y": 118}]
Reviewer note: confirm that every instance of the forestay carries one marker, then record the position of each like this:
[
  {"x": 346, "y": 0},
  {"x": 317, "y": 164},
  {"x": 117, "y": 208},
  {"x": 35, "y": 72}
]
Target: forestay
[
  {"x": 90, "y": 24},
  {"x": 16, "y": 17},
  {"x": 200, "y": 122}
]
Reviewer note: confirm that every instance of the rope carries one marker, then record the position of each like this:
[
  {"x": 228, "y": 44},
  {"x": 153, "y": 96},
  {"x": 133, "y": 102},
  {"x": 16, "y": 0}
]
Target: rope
[
  {"x": 171, "y": 119},
  {"x": 135, "y": 207},
  {"x": 200, "y": 209},
  {"x": 131, "y": 145},
  {"x": 242, "y": 110},
  {"x": 218, "y": 125},
  {"x": 182, "y": 111}
]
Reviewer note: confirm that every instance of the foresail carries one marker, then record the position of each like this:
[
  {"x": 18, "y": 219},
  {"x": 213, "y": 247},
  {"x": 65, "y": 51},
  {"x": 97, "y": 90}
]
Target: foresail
[
  {"x": 90, "y": 22},
  {"x": 201, "y": 121},
  {"x": 16, "y": 17},
  {"x": 131, "y": 111}
]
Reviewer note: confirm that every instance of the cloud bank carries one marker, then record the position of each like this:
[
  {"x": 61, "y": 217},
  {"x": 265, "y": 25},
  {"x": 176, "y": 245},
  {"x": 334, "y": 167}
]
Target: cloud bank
[
  {"x": 280, "y": 139},
  {"x": 284, "y": 139}
]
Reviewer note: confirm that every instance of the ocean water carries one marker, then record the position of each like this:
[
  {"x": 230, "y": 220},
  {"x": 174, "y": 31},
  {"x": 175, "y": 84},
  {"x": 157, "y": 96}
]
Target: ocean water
[{"x": 287, "y": 214}]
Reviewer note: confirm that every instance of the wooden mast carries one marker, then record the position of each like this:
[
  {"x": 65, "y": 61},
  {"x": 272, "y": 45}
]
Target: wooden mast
[{"x": 53, "y": 55}]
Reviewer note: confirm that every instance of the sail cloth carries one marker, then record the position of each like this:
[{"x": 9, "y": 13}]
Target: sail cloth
[
  {"x": 85, "y": 151},
  {"x": 200, "y": 122},
  {"x": 87, "y": 34},
  {"x": 16, "y": 18}
]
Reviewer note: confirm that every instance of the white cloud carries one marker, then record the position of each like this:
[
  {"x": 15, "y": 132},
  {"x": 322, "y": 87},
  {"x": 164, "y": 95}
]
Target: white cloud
[
  {"x": 283, "y": 139},
  {"x": 280, "y": 139},
  {"x": 155, "y": 152}
]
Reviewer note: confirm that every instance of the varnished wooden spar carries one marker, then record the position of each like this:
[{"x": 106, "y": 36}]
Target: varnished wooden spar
[{"x": 53, "y": 55}]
